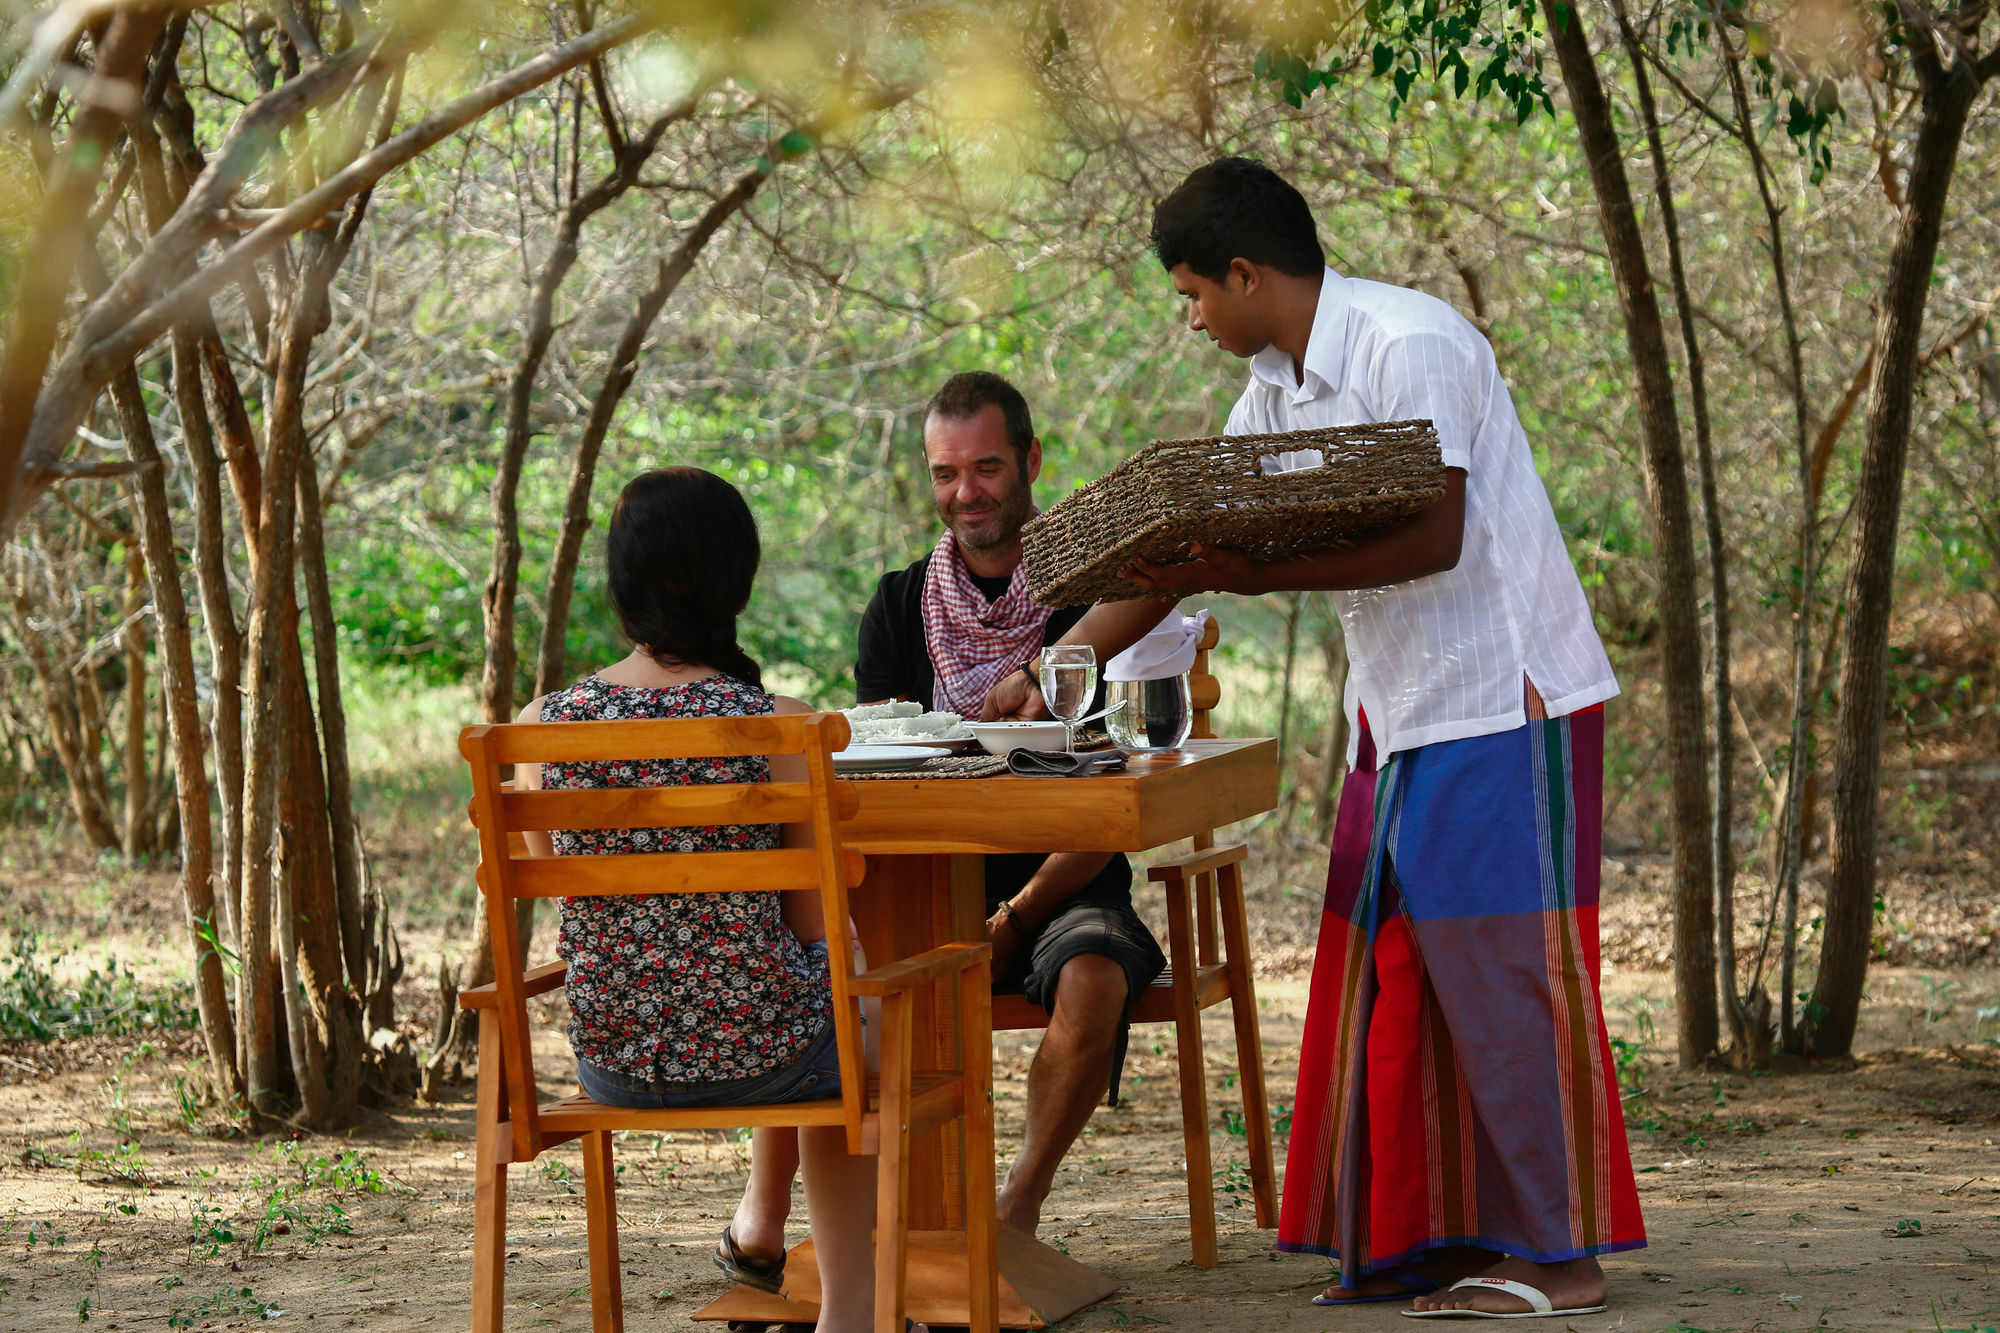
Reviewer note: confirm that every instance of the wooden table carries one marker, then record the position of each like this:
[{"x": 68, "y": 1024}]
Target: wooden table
[{"x": 926, "y": 886}]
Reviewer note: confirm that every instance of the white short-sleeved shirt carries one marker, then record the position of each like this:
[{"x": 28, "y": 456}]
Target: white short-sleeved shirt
[{"x": 1441, "y": 658}]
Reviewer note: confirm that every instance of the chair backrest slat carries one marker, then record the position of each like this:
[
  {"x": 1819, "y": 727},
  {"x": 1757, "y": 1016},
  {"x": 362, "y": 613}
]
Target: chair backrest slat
[
  {"x": 700, "y": 805},
  {"x": 1205, "y": 691},
  {"x": 505, "y": 874},
  {"x": 652, "y": 738},
  {"x": 837, "y": 879},
  {"x": 634, "y": 874},
  {"x": 1203, "y": 687}
]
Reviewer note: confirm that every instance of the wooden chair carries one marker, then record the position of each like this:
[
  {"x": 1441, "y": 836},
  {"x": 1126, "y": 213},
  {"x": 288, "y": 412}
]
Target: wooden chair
[
  {"x": 879, "y": 1113},
  {"x": 1204, "y": 889}
]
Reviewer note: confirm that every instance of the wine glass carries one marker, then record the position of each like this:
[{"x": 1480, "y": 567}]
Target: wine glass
[{"x": 1069, "y": 679}]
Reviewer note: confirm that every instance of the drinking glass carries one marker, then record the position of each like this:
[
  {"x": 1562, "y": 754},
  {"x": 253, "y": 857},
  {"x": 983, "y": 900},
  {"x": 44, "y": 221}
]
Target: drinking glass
[
  {"x": 1157, "y": 714},
  {"x": 1069, "y": 679}
]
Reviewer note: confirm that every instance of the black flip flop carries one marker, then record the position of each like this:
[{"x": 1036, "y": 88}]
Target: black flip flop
[{"x": 741, "y": 1268}]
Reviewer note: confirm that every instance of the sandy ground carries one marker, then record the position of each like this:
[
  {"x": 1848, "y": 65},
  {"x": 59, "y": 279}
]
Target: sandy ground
[{"x": 1861, "y": 1198}]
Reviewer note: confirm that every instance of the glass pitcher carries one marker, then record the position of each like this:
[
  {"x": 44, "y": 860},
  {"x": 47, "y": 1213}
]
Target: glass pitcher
[{"x": 1158, "y": 714}]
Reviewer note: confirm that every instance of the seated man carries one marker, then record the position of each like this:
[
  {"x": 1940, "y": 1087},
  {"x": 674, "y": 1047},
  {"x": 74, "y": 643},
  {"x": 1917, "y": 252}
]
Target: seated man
[{"x": 955, "y": 631}]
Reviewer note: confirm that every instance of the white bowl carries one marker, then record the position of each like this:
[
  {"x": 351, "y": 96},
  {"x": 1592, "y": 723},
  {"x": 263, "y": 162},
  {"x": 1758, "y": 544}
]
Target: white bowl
[{"x": 1001, "y": 737}]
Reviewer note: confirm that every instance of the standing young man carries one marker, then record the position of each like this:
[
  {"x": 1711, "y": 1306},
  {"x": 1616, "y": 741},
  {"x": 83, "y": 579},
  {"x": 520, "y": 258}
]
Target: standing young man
[{"x": 1456, "y": 1135}]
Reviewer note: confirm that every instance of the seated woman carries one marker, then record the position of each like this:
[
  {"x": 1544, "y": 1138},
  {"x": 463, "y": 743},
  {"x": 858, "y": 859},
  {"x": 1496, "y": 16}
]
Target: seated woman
[{"x": 648, "y": 976}]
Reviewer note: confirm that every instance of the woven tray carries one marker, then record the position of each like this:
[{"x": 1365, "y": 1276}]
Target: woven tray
[{"x": 1174, "y": 493}]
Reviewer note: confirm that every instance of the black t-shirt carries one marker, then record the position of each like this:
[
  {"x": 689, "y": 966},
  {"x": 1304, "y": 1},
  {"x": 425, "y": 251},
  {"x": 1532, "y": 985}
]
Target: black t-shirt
[{"x": 892, "y": 662}]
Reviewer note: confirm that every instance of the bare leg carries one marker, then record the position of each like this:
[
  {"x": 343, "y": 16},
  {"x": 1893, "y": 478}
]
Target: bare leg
[
  {"x": 1574, "y": 1284},
  {"x": 759, "y": 1224},
  {"x": 840, "y": 1204},
  {"x": 1069, "y": 1076}
]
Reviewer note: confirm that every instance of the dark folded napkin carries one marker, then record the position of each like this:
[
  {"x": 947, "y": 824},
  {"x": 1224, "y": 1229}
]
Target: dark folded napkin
[{"x": 1063, "y": 763}]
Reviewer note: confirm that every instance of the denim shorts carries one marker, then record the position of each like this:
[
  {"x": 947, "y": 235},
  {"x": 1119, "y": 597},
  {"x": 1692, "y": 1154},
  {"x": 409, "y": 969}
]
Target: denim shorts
[{"x": 811, "y": 1077}]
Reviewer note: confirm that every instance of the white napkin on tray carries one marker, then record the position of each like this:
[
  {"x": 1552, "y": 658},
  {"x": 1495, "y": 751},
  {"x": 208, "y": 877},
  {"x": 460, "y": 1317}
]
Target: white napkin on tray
[{"x": 1168, "y": 651}]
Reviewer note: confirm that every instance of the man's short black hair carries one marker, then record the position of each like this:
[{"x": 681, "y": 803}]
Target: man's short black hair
[
  {"x": 971, "y": 392},
  {"x": 1236, "y": 208}
]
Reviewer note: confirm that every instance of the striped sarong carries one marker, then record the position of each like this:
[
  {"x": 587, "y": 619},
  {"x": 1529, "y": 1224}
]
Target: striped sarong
[{"x": 1455, "y": 1081}]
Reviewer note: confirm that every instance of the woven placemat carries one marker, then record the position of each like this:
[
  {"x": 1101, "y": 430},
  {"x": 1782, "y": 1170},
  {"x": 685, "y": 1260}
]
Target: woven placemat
[
  {"x": 956, "y": 766},
  {"x": 973, "y": 765},
  {"x": 1174, "y": 493}
]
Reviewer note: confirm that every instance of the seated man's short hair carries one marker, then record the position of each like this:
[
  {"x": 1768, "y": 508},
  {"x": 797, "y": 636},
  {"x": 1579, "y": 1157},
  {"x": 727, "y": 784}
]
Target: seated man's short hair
[{"x": 971, "y": 392}]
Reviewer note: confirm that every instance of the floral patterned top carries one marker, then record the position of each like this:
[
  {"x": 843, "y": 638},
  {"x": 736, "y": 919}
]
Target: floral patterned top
[{"x": 680, "y": 988}]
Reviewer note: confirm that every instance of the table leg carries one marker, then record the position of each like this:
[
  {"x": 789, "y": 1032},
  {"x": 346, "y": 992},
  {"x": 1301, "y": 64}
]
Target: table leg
[{"x": 906, "y": 905}]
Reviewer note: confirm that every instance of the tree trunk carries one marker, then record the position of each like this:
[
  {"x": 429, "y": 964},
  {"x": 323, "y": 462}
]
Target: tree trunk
[
  {"x": 324, "y": 1014},
  {"x": 1333, "y": 644},
  {"x": 265, "y": 754},
  {"x": 1288, "y": 798},
  {"x": 1722, "y": 734},
  {"x": 68, "y": 736},
  {"x": 348, "y": 868},
  {"x": 1799, "y": 758},
  {"x": 496, "y": 686},
  {"x": 184, "y": 725},
  {"x": 1667, "y": 497},
  {"x": 134, "y": 839},
  {"x": 550, "y": 662},
  {"x": 237, "y": 437},
  {"x": 218, "y": 618},
  {"x": 1834, "y": 1008},
  {"x": 603, "y": 408}
]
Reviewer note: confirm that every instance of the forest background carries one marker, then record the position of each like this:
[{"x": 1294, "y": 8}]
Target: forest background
[{"x": 332, "y": 336}]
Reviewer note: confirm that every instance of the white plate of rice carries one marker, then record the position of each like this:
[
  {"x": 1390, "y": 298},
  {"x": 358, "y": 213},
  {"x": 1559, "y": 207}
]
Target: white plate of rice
[{"x": 899, "y": 723}]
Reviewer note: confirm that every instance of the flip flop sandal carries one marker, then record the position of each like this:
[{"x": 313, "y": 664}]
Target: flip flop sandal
[
  {"x": 742, "y": 1269},
  {"x": 1539, "y": 1303},
  {"x": 1414, "y": 1284}
]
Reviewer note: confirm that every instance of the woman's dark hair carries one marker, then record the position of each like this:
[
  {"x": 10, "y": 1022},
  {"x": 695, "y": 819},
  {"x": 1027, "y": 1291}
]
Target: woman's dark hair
[
  {"x": 682, "y": 553},
  {"x": 1236, "y": 208},
  {"x": 970, "y": 392}
]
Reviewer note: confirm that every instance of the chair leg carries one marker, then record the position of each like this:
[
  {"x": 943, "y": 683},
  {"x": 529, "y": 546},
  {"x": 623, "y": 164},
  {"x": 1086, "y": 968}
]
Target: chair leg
[
  {"x": 600, "y": 1198},
  {"x": 982, "y": 1228},
  {"x": 1249, "y": 1046},
  {"x": 892, "y": 1165},
  {"x": 1194, "y": 1076},
  {"x": 1204, "y": 920},
  {"x": 489, "y": 1186}
]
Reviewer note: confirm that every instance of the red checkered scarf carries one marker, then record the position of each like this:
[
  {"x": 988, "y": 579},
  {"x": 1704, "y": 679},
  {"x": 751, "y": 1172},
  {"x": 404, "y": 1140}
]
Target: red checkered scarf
[{"x": 974, "y": 644}]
